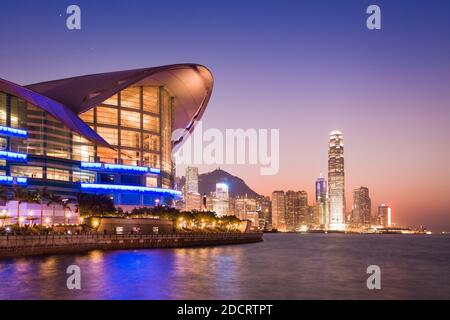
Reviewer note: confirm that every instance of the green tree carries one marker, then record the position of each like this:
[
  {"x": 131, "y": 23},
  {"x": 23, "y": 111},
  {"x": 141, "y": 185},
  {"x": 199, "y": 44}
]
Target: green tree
[
  {"x": 21, "y": 195},
  {"x": 40, "y": 197},
  {"x": 95, "y": 205}
]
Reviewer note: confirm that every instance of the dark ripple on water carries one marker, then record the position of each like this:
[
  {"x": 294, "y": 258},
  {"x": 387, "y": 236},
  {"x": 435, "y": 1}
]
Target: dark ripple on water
[{"x": 284, "y": 266}]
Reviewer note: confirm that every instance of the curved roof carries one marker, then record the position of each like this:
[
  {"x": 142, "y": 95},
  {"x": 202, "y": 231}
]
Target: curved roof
[
  {"x": 56, "y": 109},
  {"x": 190, "y": 85}
]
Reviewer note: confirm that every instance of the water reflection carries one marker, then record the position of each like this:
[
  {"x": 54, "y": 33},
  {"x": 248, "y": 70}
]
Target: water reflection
[{"x": 281, "y": 267}]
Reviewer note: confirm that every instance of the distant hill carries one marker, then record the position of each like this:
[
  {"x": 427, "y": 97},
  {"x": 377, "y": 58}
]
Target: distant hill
[{"x": 237, "y": 186}]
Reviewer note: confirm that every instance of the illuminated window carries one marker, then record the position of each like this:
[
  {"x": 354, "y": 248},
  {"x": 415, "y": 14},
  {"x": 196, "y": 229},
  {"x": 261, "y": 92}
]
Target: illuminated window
[
  {"x": 107, "y": 115},
  {"x": 109, "y": 134},
  {"x": 131, "y": 98},
  {"x": 18, "y": 113},
  {"x": 151, "y": 142},
  {"x": 151, "y": 123},
  {"x": 58, "y": 174},
  {"x": 107, "y": 155},
  {"x": 3, "y": 143},
  {"x": 166, "y": 134},
  {"x": 88, "y": 116},
  {"x": 151, "y": 182},
  {"x": 2, "y": 109},
  {"x": 83, "y": 153},
  {"x": 131, "y": 157},
  {"x": 86, "y": 177},
  {"x": 130, "y": 119},
  {"x": 131, "y": 139},
  {"x": 150, "y": 99},
  {"x": 112, "y": 101},
  {"x": 151, "y": 160},
  {"x": 26, "y": 171}
]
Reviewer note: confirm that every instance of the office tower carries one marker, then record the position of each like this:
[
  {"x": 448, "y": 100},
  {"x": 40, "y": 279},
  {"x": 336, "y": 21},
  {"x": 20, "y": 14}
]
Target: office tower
[
  {"x": 204, "y": 202},
  {"x": 191, "y": 180},
  {"x": 278, "y": 210},
  {"x": 322, "y": 201},
  {"x": 303, "y": 209},
  {"x": 362, "y": 207},
  {"x": 193, "y": 201},
  {"x": 264, "y": 206},
  {"x": 253, "y": 217},
  {"x": 336, "y": 181},
  {"x": 222, "y": 205},
  {"x": 384, "y": 215},
  {"x": 292, "y": 210},
  {"x": 242, "y": 205}
]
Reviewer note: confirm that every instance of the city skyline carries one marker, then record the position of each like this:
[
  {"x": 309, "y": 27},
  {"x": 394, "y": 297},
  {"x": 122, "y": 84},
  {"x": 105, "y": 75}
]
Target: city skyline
[{"x": 387, "y": 91}]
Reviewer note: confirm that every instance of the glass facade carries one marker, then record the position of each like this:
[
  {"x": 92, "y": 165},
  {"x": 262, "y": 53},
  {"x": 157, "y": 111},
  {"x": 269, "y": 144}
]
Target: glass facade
[{"x": 136, "y": 122}]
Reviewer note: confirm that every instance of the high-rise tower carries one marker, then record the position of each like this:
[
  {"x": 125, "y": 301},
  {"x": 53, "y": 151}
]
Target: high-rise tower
[
  {"x": 362, "y": 207},
  {"x": 336, "y": 181},
  {"x": 191, "y": 180},
  {"x": 322, "y": 200}
]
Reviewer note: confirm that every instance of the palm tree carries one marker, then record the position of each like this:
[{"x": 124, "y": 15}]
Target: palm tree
[
  {"x": 40, "y": 196},
  {"x": 21, "y": 195},
  {"x": 54, "y": 200}
]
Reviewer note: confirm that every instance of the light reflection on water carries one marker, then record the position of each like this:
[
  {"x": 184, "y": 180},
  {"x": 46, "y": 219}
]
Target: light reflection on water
[{"x": 290, "y": 266}]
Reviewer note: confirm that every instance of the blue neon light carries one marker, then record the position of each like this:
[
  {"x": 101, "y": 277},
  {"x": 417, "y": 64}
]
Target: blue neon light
[
  {"x": 13, "y": 156},
  {"x": 13, "y": 132},
  {"x": 22, "y": 181},
  {"x": 7, "y": 180},
  {"x": 118, "y": 168},
  {"x": 121, "y": 188}
]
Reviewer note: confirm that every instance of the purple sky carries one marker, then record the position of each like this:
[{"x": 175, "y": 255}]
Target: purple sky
[{"x": 304, "y": 67}]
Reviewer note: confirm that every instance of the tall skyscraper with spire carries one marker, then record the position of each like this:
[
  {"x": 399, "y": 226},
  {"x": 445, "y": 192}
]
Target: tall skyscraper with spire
[{"x": 336, "y": 181}]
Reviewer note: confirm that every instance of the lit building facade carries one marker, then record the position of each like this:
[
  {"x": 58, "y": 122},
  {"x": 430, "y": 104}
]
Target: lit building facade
[
  {"x": 336, "y": 181},
  {"x": 193, "y": 201},
  {"x": 362, "y": 207},
  {"x": 385, "y": 215},
  {"x": 106, "y": 133},
  {"x": 242, "y": 205},
  {"x": 191, "y": 184},
  {"x": 222, "y": 203},
  {"x": 279, "y": 210},
  {"x": 322, "y": 204}
]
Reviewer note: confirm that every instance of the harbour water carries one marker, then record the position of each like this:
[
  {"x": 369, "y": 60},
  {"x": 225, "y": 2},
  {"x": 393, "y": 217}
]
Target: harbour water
[{"x": 284, "y": 266}]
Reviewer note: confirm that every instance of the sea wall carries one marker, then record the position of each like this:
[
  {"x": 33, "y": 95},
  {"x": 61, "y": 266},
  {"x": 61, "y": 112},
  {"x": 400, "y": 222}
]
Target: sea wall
[{"x": 16, "y": 246}]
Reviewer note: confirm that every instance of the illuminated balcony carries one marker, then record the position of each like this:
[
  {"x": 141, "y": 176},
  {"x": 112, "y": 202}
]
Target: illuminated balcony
[
  {"x": 118, "y": 168},
  {"x": 7, "y": 180},
  {"x": 13, "y": 156},
  {"x": 13, "y": 132},
  {"x": 113, "y": 188}
]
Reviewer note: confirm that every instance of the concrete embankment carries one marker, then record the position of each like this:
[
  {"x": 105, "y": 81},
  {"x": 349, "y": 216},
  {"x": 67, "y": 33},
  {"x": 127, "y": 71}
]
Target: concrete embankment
[{"x": 16, "y": 246}]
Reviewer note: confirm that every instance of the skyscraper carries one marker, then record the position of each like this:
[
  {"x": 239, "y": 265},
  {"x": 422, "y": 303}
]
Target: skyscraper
[
  {"x": 292, "y": 209},
  {"x": 222, "y": 205},
  {"x": 384, "y": 215},
  {"x": 362, "y": 207},
  {"x": 278, "y": 210},
  {"x": 322, "y": 201},
  {"x": 191, "y": 180},
  {"x": 302, "y": 217},
  {"x": 336, "y": 181}
]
